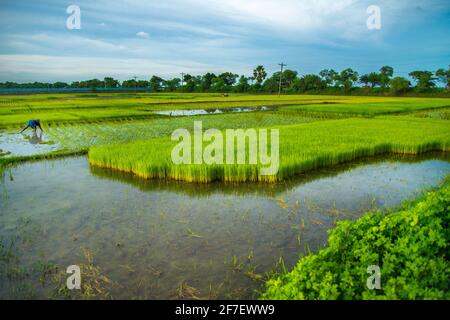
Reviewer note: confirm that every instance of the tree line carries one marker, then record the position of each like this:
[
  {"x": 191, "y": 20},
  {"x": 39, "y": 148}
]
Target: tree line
[{"x": 327, "y": 81}]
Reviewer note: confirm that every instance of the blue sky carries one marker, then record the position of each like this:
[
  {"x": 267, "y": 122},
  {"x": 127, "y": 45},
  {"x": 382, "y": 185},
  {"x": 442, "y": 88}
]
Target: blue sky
[{"x": 126, "y": 38}]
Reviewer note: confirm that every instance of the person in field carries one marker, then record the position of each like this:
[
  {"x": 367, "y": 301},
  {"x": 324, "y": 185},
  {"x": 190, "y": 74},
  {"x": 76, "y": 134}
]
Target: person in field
[{"x": 33, "y": 124}]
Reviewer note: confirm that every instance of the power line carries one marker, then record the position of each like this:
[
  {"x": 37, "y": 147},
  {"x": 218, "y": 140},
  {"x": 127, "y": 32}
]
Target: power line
[
  {"x": 182, "y": 80},
  {"x": 282, "y": 65}
]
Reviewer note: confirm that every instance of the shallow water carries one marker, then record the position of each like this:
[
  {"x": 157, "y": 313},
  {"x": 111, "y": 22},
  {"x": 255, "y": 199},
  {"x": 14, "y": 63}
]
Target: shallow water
[
  {"x": 150, "y": 237},
  {"x": 197, "y": 112},
  {"x": 27, "y": 143}
]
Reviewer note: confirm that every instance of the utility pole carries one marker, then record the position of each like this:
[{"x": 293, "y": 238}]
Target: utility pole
[
  {"x": 282, "y": 65},
  {"x": 182, "y": 81}
]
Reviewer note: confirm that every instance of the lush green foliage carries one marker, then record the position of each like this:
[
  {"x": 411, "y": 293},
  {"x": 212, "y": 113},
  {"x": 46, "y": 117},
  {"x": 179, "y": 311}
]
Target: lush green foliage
[
  {"x": 410, "y": 246},
  {"x": 289, "y": 80}
]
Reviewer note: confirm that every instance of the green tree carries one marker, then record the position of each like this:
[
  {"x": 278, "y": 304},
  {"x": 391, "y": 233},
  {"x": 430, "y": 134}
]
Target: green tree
[
  {"x": 288, "y": 78},
  {"x": 129, "y": 84},
  {"x": 309, "y": 82},
  {"x": 110, "y": 82},
  {"x": 329, "y": 76},
  {"x": 243, "y": 85},
  {"x": 172, "y": 84},
  {"x": 364, "y": 79},
  {"x": 142, "y": 84},
  {"x": 424, "y": 79},
  {"x": 376, "y": 79},
  {"x": 399, "y": 85},
  {"x": 207, "y": 81},
  {"x": 60, "y": 85},
  {"x": 444, "y": 76},
  {"x": 271, "y": 84},
  {"x": 259, "y": 74},
  {"x": 228, "y": 78},
  {"x": 386, "y": 74},
  {"x": 346, "y": 79},
  {"x": 156, "y": 83},
  {"x": 94, "y": 83}
]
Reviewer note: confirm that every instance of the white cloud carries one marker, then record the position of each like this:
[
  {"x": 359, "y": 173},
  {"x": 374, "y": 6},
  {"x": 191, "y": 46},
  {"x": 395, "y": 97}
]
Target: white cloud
[
  {"x": 197, "y": 36},
  {"x": 42, "y": 67},
  {"x": 142, "y": 34}
]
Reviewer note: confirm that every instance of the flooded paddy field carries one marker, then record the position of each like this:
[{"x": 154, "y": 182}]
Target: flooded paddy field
[
  {"x": 25, "y": 144},
  {"x": 196, "y": 112},
  {"x": 78, "y": 136},
  {"x": 146, "y": 239}
]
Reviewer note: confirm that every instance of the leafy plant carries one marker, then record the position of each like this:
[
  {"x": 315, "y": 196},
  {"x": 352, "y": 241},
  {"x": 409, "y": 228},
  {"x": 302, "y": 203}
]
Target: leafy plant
[{"x": 410, "y": 246}]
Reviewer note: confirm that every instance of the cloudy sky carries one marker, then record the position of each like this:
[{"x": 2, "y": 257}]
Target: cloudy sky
[{"x": 126, "y": 38}]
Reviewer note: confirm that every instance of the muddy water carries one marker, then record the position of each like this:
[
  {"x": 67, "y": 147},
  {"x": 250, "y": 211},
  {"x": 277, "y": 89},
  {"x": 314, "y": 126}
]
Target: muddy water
[{"x": 156, "y": 239}]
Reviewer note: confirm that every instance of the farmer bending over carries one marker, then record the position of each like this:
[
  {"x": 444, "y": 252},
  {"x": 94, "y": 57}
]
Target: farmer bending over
[{"x": 33, "y": 124}]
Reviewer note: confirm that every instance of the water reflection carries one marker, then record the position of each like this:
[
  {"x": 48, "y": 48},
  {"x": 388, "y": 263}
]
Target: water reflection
[
  {"x": 267, "y": 189},
  {"x": 25, "y": 144},
  {"x": 196, "y": 112},
  {"x": 35, "y": 138},
  {"x": 169, "y": 240}
]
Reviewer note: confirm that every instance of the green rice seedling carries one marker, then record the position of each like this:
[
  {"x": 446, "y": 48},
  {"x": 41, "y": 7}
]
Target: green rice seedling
[
  {"x": 303, "y": 147},
  {"x": 17, "y": 109}
]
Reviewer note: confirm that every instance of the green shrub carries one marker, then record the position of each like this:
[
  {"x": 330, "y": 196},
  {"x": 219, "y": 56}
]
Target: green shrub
[{"x": 411, "y": 247}]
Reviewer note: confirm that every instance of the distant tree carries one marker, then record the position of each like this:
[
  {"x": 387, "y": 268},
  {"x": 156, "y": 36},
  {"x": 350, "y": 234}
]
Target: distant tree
[
  {"x": 129, "y": 84},
  {"x": 259, "y": 74},
  {"x": 399, "y": 85},
  {"x": 386, "y": 74},
  {"x": 142, "y": 84},
  {"x": 444, "y": 76},
  {"x": 94, "y": 83},
  {"x": 309, "y": 82},
  {"x": 271, "y": 84},
  {"x": 173, "y": 84},
  {"x": 424, "y": 79},
  {"x": 9, "y": 84},
  {"x": 110, "y": 82},
  {"x": 243, "y": 85},
  {"x": 288, "y": 78},
  {"x": 156, "y": 83},
  {"x": 228, "y": 78},
  {"x": 218, "y": 85},
  {"x": 191, "y": 83},
  {"x": 59, "y": 85},
  {"x": 207, "y": 81},
  {"x": 346, "y": 79},
  {"x": 364, "y": 79},
  {"x": 329, "y": 76},
  {"x": 376, "y": 79},
  {"x": 187, "y": 77}
]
